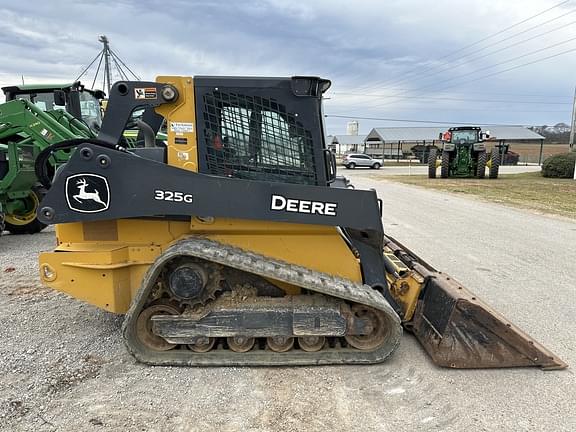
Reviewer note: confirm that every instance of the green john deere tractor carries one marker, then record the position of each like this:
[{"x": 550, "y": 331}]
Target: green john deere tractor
[
  {"x": 25, "y": 130},
  {"x": 34, "y": 117},
  {"x": 74, "y": 98},
  {"x": 464, "y": 155},
  {"x": 86, "y": 105}
]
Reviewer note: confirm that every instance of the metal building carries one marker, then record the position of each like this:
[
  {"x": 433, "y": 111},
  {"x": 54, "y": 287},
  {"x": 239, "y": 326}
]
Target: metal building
[
  {"x": 341, "y": 144},
  {"x": 401, "y": 142}
]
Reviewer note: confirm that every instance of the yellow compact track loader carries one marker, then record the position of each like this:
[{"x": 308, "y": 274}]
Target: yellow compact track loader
[{"x": 237, "y": 244}]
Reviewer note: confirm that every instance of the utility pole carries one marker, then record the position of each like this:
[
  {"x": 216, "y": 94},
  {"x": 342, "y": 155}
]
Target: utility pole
[
  {"x": 573, "y": 129},
  {"x": 573, "y": 124},
  {"x": 106, "y": 52}
]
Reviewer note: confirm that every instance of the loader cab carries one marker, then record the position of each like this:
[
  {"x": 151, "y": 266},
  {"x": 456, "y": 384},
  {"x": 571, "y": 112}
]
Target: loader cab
[
  {"x": 74, "y": 98},
  {"x": 251, "y": 128},
  {"x": 268, "y": 129}
]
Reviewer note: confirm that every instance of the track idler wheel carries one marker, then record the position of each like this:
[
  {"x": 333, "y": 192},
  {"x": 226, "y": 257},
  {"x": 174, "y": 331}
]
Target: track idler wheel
[
  {"x": 376, "y": 332},
  {"x": 202, "y": 344},
  {"x": 280, "y": 343},
  {"x": 240, "y": 344},
  {"x": 311, "y": 343},
  {"x": 144, "y": 325}
]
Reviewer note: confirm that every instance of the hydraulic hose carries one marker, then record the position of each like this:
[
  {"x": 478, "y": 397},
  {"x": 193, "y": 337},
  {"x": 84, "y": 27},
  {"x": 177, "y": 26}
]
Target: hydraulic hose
[
  {"x": 148, "y": 132},
  {"x": 41, "y": 163}
]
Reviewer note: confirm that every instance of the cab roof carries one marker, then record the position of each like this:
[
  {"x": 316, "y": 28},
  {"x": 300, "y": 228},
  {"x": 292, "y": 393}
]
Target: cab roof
[
  {"x": 457, "y": 128},
  {"x": 40, "y": 87},
  {"x": 47, "y": 88}
]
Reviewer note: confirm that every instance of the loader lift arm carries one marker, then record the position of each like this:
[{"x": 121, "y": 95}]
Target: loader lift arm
[{"x": 456, "y": 328}]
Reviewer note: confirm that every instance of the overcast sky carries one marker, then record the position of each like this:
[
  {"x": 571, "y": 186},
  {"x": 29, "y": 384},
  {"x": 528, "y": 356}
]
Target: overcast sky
[{"x": 371, "y": 50}]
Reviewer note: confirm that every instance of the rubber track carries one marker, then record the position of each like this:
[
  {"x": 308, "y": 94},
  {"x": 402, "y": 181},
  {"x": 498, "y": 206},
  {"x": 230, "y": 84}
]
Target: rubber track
[{"x": 261, "y": 265}]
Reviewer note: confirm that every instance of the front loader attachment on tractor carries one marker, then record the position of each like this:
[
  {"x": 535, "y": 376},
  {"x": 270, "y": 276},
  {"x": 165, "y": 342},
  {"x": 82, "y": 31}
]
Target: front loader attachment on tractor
[{"x": 458, "y": 330}]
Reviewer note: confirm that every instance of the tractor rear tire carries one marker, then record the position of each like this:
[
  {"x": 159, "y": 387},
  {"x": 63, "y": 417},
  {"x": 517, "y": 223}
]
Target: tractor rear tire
[
  {"x": 29, "y": 223},
  {"x": 495, "y": 164},
  {"x": 432, "y": 156},
  {"x": 481, "y": 165},
  {"x": 445, "y": 166}
]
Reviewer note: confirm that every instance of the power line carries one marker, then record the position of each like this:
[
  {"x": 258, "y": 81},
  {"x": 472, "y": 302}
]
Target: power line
[
  {"x": 515, "y": 67},
  {"x": 483, "y": 109},
  {"x": 417, "y": 121},
  {"x": 96, "y": 74},
  {"x": 117, "y": 57},
  {"x": 509, "y": 110},
  {"x": 467, "y": 93},
  {"x": 491, "y": 74},
  {"x": 511, "y": 68},
  {"x": 451, "y": 65},
  {"x": 450, "y": 54},
  {"x": 499, "y": 64},
  {"x": 454, "y": 99},
  {"x": 505, "y": 29},
  {"x": 91, "y": 63}
]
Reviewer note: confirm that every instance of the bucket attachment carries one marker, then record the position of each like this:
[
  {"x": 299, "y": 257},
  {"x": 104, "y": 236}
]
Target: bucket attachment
[{"x": 460, "y": 331}]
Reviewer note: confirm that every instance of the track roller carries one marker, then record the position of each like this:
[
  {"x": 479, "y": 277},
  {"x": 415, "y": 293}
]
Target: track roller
[
  {"x": 240, "y": 344},
  {"x": 202, "y": 344},
  {"x": 280, "y": 343},
  {"x": 311, "y": 343}
]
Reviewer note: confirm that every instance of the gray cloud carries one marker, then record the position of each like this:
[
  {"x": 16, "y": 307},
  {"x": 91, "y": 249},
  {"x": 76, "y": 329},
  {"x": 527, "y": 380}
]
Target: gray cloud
[{"x": 362, "y": 46}]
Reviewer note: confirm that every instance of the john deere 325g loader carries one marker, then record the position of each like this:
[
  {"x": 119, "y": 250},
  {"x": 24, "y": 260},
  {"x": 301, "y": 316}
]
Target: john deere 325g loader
[{"x": 234, "y": 245}]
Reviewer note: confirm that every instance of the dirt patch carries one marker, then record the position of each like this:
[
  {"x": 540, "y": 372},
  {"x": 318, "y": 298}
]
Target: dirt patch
[{"x": 25, "y": 291}]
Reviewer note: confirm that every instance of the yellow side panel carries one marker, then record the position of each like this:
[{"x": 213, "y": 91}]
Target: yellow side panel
[
  {"x": 181, "y": 118},
  {"x": 99, "y": 274},
  {"x": 318, "y": 247},
  {"x": 122, "y": 230},
  {"x": 108, "y": 273}
]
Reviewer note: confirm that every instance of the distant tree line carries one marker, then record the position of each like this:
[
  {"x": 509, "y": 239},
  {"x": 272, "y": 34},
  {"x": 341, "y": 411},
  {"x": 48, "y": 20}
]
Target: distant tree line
[{"x": 559, "y": 133}]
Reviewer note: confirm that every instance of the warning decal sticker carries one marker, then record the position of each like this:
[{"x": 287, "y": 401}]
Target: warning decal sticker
[
  {"x": 145, "y": 93},
  {"x": 180, "y": 127}
]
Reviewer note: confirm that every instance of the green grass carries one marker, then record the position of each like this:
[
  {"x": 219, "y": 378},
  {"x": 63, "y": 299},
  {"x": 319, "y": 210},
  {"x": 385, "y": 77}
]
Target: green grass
[{"x": 526, "y": 190}]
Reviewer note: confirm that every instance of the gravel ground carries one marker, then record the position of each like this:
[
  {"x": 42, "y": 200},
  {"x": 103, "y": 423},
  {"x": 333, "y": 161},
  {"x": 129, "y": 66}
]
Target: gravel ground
[{"x": 63, "y": 366}]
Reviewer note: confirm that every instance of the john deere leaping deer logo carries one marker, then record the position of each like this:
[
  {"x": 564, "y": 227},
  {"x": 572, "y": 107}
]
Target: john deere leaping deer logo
[
  {"x": 87, "y": 193},
  {"x": 83, "y": 195}
]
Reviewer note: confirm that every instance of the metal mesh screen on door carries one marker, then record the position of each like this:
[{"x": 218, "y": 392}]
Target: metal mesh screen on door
[{"x": 253, "y": 137}]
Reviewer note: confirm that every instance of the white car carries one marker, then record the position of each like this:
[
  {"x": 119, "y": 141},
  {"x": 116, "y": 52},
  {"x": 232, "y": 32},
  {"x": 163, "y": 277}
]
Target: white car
[{"x": 360, "y": 160}]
